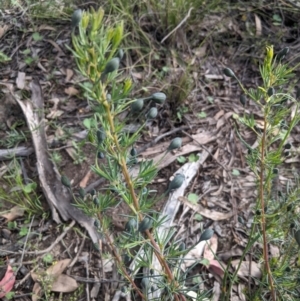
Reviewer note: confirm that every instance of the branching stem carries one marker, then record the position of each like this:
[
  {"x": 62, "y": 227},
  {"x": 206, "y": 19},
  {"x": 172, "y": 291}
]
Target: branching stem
[
  {"x": 263, "y": 218},
  {"x": 135, "y": 201}
]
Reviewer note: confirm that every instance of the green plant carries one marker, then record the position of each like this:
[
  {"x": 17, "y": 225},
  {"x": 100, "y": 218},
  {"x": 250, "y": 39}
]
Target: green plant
[
  {"x": 10, "y": 295},
  {"x": 46, "y": 281},
  {"x": 48, "y": 258},
  {"x": 95, "y": 47},
  {"x": 23, "y": 231},
  {"x": 79, "y": 153},
  {"x": 181, "y": 111},
  {"x": 12, "y": 225},
  {"x": 13, "y": 138},
  {"x": 20, "y": 194},
  {"x": 275, "y": 222},
  {"x": 3, "y": 57},
  {"x": 56, "y": 157}
]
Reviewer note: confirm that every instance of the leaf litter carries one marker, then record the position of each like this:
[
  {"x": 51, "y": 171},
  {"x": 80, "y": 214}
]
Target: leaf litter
[{"x": 224, "y": 195}]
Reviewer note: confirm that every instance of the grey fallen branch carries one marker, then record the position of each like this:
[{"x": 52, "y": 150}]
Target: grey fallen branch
[
  {"x": 58, "y": 197},
  {"x": 21, "y": 151}
]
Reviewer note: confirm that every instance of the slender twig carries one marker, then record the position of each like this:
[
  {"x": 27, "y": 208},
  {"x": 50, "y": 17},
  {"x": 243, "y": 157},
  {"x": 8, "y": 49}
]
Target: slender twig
[
  {"x": 121, "y": 266},
  {"x": 263, "y": 218},
  {"x": 92, "y": 280},
  {"x": 135, "y": 201},
  {"x": 179, "y": 25},
  {"x": 78, "y": 253},
  {"x": 87, "y": 289},
  {"x": 25, "y": 277},
  {"x": 57, "y": 240},
  {"x": 157, "y": 139},
  {"x": 23, "y": 252},
  {"x": 206, "y": 149}
]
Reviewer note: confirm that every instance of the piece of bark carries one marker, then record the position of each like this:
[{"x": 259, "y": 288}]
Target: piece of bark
[
  {"x": 58, "y": 197},
  {"x": 21, "y": 151}
]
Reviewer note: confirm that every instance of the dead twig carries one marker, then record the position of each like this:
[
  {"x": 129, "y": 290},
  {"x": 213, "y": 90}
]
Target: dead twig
[
  {"x": 179, "y": 25},
  {"x": 23, "y": 252},
  {"x": 78, "y": 253},
  {"x": 21, "y": 151},
  {"x": 57, "y": 240},
  {"x": 206, "y": 149},
  {"x": 58, "y": 197},
  {"x": 157, "y": 139}
]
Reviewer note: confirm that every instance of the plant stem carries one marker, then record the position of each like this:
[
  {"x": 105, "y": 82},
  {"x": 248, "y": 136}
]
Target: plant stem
[
  {"x": 132, "y": 192},
  {"x": 119, "y": 260},
  {"x": 262, "y": 203}
]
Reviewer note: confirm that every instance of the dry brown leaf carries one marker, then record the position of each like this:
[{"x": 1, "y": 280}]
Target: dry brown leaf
[
  {"x": 59, "y": 133},
  {"x": 21, "y": 80},
  {"x": 42, "y": 67},
  {"x": 95, "y": 290},
  {"x": 170, "y": 157},
  {"x": 137, "y": 75},
  {"x": 3, "y": 30},
  {"x": 58, "y": 268},
  {"x": 200, "y": 51},
  {"x": 10, "y": 87},
  {"x": 46, "y": 27},
  {"x": 294, "y": 110},
  {"x": 195, "y": 254},
  {"x": 37, "y": 292},
  {"x": 219, "y": 191},
  {"x": 211, "y": 214},
  {"x": 54, "y": 114},
  {"x": 69, "y": 75},
  {"x": 219, "y": 114},
  {"x": 216, "y": 268},
  {"x": 64, "y": 284},
  {"x": 260, "y": 124},
  {"x": 216, "y": 291},
  {"x": 71, "y": 151},
  {"x": 274, "y": 251},
  {"x": 83, "y": 183},
  {"x": 216, "y": 154},
  {"x": 71, "y": 91},
  {"x": 243, "y": 271},
  {"x": 258, "y": 25},
  {"x": 228, "y": 115},
  {"x": 211, "y": 248},
  {"x": 108, "y": 265},
  {"x": 241, "y": 291},
  {"x": 292, "y": 160},
  {"x": 7, "y": 282},
  {"x": 213, "y": 76},
  {"x": 220, "y": 123},
  {"x": 218, "y": 23},
  {"x": 36, "y": 275},
  {"x": 233, "y": 252},
  {"x": 55, "y": 45},
  {"x": 13, "y": 213},
  {"x": 202, "y": 138}
]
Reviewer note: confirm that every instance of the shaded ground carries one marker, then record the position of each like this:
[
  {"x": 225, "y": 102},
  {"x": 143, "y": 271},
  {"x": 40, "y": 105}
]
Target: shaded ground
[{"x": 188, "y": 68}]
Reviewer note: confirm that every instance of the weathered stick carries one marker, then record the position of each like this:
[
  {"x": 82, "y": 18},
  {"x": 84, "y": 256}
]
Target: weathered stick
[{"x": 58, "y": 197}]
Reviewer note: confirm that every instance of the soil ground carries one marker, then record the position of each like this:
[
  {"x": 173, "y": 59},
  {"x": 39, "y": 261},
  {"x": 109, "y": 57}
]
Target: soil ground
[{"x": 234, "y": 38}]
